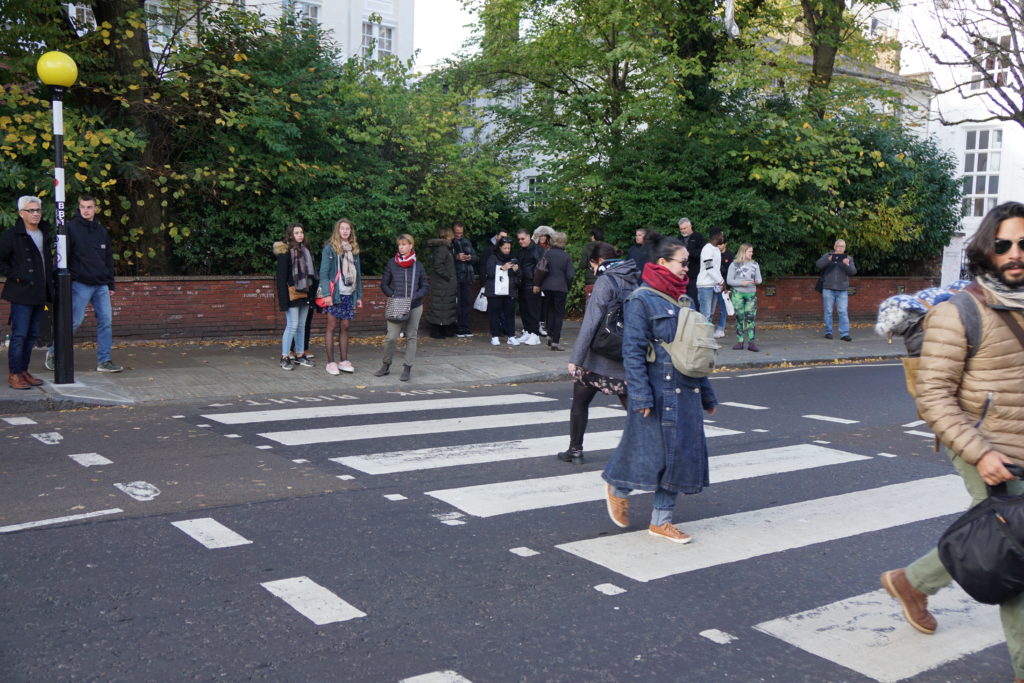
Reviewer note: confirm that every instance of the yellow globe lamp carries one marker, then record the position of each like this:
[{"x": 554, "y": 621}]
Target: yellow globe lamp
[{"x": 56, "y": 68}]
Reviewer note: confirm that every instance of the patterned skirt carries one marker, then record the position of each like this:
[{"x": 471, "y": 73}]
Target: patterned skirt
[
  {"x": 604, "y": 384},
  {"x": 344, "y": 309}
]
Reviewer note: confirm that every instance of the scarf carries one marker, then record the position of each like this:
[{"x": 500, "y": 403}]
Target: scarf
[
  {"x": 1011, "y": 298},
  {"x": 608, "y": 263},
  {"x": 405, "y": 261},
  {"x": 664, "y": 280},
  {"x": 302, "y": 266},
  {"x": 348, "y": 265}
]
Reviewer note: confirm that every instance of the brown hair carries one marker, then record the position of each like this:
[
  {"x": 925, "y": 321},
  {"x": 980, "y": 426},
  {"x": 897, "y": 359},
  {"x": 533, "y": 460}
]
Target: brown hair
[{"x": 982, "y": 246}]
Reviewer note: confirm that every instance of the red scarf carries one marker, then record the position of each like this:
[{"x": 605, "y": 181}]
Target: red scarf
[
  {"x": 405, "y": 261},
  {"x": 664, "y": 280}
]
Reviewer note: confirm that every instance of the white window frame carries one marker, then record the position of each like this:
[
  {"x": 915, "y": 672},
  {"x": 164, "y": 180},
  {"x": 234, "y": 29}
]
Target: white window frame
[
  {"x": 378, "y": 40},
  {"x": 997, "y": 65},
  {"x": 82, "y": 17},
  {"x": 303, "y": 9},
  {"x": 983, "y": 148}
]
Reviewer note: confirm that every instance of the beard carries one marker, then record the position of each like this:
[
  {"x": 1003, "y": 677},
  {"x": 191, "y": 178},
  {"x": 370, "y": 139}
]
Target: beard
[{"x": 1017, "y": 282}]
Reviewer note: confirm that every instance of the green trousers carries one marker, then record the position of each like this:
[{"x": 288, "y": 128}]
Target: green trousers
[
  {"x": 745, "y": 304},
  {"x": 928, "y": 575}
]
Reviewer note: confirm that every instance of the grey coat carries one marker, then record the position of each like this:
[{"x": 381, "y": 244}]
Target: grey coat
[
  {"x": 837, "y": 276},
  {"x": 622, "y": 276}
]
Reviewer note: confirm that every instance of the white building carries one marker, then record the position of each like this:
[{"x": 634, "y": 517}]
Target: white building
[{"x": 990, "y": 154}]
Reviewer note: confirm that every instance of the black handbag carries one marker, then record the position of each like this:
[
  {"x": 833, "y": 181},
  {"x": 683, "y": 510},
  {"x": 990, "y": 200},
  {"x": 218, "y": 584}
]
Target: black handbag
[{"x": 984, "y": 549}]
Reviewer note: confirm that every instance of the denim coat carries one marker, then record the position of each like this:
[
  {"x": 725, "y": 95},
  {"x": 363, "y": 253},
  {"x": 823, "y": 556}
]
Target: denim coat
[{"x": 666, "y": 449}]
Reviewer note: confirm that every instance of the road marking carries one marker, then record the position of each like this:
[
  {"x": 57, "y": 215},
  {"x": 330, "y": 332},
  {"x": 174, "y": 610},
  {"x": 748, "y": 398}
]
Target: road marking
[
  {"x": 523, "y": 551},
  {"x": 887, "y": 455},
  {"x": 389, "y": 429},
  {"x": 139, "y": 490},
  {"x": 16, "y": 421},
  {"x": 773, "y": 372},
  {"x": 914, "y": 432},
  {"x": 450, "y": 518},
  {"x": 489, "y": 500},
  {"x": 716, "y": 636},
  {"x": 178, "y": 417},
  {"x": 312, "y": 412},
  {"x": 58, "y": 520},
  {"x": 915, "y": 423},
  {"x": 232, "y": 436},
  {"x": 211, "y": 533},
  {"x": 204, "y": 425},
  {"x": 447, "y": 676},
  {"x": 312, "y": 600},
  {"x": 743, "y": 405},
  {"x": 826, "y": 418},
  {"x": 759, "y": 431},
  {"x": 824, "y": 443},
  {"x": 90, "y": 459},
  {"x": 609, "y": 589},
  {"x": 868, "y": 634},
  {"x": 264, "y": 447},
  {"x": 744, "y": 535},
  {"x": 395, "y": 496},
  {"x": 345, "y": 477},
  {"x": 49, "y": 438},
  {"x": 299, "y": 461}
]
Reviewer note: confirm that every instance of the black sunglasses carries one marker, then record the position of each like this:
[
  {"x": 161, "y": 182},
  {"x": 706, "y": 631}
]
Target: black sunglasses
[{"x": 1003, "y": 246}]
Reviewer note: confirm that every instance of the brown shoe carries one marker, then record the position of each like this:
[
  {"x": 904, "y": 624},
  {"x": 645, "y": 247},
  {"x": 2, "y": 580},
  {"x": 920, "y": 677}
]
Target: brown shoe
[
  {"x": 16, "y": 381},
  {"x": 618, "y": 508},
  {"x": 669, "y": 533},
  {"x": 915, "y": 603},
  {"x": 34, "y": 381}
]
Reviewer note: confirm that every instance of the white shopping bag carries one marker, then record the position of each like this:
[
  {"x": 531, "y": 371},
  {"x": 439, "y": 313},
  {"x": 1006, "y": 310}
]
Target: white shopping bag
[
  {"x": 500, "y": 281},
  {"x": 481, "y": 301},
  {"x": 730, "y": 310}
]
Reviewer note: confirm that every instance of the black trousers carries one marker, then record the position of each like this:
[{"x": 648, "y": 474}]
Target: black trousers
[
  {"x": 464, "y": 304},
  {"x": 501, "y": 315},
  {"x": 579, "y": 412},
  {"x": 556, "y": 312},
  {"x": 529, "y": 309}
]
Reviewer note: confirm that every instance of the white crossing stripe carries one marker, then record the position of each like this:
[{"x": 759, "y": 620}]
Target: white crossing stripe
[
  {"x": 90, "y": 459},
  {"x": 353, "y": 410},
  {"x": 868, "y": 634},
  {"x": 915, "y": 423},
  {"x": 16, "y": 421},
  {"x": 446, "y": 676},
  {"x": 915, "y": 432},
  {"x": 744, "y": 535},
  {"x": 488, "y": 500},
  {"x": 211, "y": 533},
  {"x": 826, "y": 418},
  {"x": 58, "y": 520},
  {"x": 523, "y": 551},
  {"x": 49, "y": 438},
  {"x": 312, "y": 600},
  {"x": 139, "y": 490},
  {"x": 717, "y": 636},
  {"x": 609, "y": 589},
  {"x": 389, "y": 429},
  {"x": 743, "y": 405}
]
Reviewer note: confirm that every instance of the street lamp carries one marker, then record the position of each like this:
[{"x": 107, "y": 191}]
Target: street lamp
[{"x": 59, "y": 71}]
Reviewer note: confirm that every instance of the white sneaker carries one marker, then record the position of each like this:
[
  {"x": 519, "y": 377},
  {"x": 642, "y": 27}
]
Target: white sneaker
[
  {"x": 512, "y": 341},
  {"x": 719, "y": 334},
  {"x": 543, "y": 330},
  {"x": 495, "y": 341},
  {"x": 523, "y": 337},
  {"x": 332, "y": 369},
  {"x": 532, "y": 340}
]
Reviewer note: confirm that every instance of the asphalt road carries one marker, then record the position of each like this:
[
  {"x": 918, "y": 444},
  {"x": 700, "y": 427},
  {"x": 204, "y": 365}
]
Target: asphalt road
[{"x": 392, "y": 534}]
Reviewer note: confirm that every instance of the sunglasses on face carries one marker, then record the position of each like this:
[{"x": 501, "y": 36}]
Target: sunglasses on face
[{"x": 1003, "y": 246}]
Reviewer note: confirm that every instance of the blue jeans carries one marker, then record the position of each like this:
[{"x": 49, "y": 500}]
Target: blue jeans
[
  {"x": 294, "y": 318},
  {"x": 706, "y": 298},
  {"x": 836, "y": 299},
  {"x": 25, "y": 320},
  {"x": 99, "y": 296},
  {"x": 664, "y": 504}
]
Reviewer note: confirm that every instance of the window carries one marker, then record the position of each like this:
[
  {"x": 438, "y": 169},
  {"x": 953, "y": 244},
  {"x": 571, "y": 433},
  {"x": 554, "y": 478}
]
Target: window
[
  {"x": 159, "y": 21},
  {"x": 378, "y": 41},
  {"x": 82, "y": 18},
  {"x": 302, "y": 10},
  {"x": 994, "y": 55},
  {"x": 981, "y": 170}
]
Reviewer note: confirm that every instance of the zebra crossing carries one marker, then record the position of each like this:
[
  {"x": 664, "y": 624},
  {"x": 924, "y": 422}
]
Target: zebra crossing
[{"x": 863, "y": 633}]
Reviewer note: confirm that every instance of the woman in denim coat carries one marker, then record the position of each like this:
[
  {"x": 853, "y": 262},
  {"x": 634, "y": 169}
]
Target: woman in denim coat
[{"x": 663, "y": 448}]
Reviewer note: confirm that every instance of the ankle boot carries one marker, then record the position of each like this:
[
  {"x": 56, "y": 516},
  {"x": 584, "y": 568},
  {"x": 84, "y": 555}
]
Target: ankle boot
[
  {"x": 16, "y": 381},
  {"x": 573, "y": 455},
  {"x": 385, "y": 368},
  {"x": 406, "y": 373}
]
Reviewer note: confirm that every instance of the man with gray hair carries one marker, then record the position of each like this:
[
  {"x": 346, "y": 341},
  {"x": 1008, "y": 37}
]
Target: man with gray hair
[
  {"x": 837, "y": 267},
  {"x": 694, "y": 243},
  {"x": 25, "y": 262}
]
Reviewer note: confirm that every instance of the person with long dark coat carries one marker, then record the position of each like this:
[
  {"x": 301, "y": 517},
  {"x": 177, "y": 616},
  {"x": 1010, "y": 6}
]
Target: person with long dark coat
[{"x": 444, "y": 287}]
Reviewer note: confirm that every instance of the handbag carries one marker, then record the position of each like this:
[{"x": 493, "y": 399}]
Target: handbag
[
  {"x": 397, "y": 309},
  {"x": 323, "y": 301},
  {"x": 295, "y": 295},
  {"x": 819, "y": 286},
  {"x": 480, "y": 303},
  {"x": 984, "y": 549}
]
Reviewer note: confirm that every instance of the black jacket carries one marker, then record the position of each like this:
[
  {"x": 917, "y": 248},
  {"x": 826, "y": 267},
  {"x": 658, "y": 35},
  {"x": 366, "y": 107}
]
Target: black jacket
[
  {"x": 495, "y": 260},
  {"x": 560, "y": 271},
  {"x": 29, "y": 275},
  {"x": 465, "y": 271},
  {"x": 284, "y": 279},
  {"x": 90, "y": 256},
  {"x": 528, "y": 258},
  {"x": 693, "y": 243},
  {"x": 399, "y": 281}
]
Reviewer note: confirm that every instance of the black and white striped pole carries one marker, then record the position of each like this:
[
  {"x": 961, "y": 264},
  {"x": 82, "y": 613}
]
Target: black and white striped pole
[{"x": 59, "y": 71}]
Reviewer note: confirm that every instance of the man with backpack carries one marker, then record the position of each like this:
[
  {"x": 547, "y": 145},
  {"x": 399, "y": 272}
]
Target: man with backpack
[{"x": 971, "y": 394}]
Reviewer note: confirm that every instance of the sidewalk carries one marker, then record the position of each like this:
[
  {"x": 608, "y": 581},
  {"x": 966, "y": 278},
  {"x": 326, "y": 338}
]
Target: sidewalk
[{"x": 203, "y": 371}]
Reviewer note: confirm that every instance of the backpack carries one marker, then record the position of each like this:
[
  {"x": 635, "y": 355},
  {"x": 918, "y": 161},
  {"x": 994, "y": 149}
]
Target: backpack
[
  {"x": 607, "y": 339},
  {"x": 970, "y": 318},
  {"x": 693, "y": 348}
]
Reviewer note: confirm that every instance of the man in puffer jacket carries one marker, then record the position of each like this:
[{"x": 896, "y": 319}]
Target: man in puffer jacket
[{"x": 973, "y": 399}]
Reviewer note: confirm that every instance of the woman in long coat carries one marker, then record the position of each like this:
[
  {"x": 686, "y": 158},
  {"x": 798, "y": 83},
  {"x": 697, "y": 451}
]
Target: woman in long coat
[
  {"x": 663, "y": 448},
  {"x": 444, "y": 286}
]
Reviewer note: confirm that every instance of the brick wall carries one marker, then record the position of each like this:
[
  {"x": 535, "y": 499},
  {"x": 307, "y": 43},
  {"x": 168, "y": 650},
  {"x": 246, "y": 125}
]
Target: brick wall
[{"x": 228, "y": 307}]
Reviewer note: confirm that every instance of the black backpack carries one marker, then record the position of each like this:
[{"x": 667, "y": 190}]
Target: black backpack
[{"x": 607, "y": 339}]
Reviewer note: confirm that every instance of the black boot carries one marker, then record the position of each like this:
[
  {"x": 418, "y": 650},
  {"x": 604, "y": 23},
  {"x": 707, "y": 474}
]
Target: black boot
[
  {"x": 573, "y": 455},
  {"x": 436, "y": 332},
  {"x": 406, "y": 373},
  {"x": 385, "y": 369}
]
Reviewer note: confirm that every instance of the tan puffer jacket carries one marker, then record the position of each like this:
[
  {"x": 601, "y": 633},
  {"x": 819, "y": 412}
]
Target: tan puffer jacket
[{"x": 952, "y": 389}]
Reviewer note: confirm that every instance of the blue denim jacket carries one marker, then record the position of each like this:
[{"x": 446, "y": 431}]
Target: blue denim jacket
[{"x": 666, "y": 449}]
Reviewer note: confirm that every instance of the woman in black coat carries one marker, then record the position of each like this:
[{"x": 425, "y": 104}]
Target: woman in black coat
[
  {"x": 500, "y": 309},
  {"x": 444, "y": 286},
  {"x": 403, "y": 276},
  {"x": 554, "y": 283},
  {"x": 296, "y": 280}
]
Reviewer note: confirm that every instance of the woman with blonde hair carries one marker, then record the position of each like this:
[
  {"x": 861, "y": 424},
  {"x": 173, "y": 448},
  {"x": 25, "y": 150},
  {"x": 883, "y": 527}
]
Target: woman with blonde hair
[
  {"x": 341, "y": 279},
  {"x": 743, "y": 278}
]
